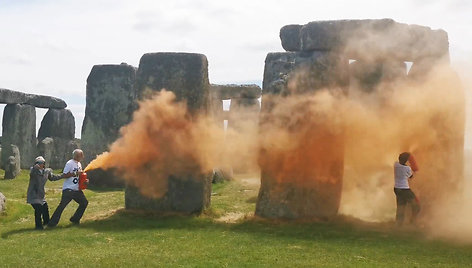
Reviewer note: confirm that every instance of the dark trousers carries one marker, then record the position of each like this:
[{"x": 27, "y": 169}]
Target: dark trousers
[
  {"x": 404, "y": 197},
  {"x": 67, "y": 196},
  {"x": 41, "y": 210}
]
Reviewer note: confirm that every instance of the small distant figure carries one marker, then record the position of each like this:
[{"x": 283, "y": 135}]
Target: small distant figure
[
  {"x": 71, "y": 190},
  {"x": 36, "y": 194},
  {"x": 403, "y": 173}
]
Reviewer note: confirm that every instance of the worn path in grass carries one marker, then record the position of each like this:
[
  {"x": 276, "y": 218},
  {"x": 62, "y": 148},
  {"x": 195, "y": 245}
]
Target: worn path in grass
[{"x": 225, "y": 235}]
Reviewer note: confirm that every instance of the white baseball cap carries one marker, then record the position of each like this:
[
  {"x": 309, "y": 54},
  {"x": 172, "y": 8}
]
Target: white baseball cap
[{"x": 39, "y": 160}]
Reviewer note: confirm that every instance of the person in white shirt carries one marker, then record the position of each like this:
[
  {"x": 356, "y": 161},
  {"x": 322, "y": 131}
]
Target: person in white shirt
[
  {"x": 403, "y": 173},
  {"x": 71, "y": 191}
]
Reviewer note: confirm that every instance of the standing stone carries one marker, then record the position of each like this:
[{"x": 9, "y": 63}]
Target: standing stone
[
  {"x": 12, "y": 167},
  {"x": 290, "y": 37},
  {"x": 305, "y": 181},
  {"x": 57, "y": 151},
  {"x": 184, "y": 195},
  {"x": 57, "y": 123},
  {"x": 46, "y": 150},
  {"x": 222, "y": 175},
  {"x": 185, "y": 74},
  {"x": 110, "y": 102},
  {"x": 3, "y": 202},
  {"x": 19, "y": 128},
  {"x": 56, "y": 137}
]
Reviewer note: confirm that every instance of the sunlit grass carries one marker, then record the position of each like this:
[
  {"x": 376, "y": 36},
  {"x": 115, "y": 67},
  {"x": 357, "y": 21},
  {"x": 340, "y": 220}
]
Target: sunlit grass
[{"x": 225, "y": 235}]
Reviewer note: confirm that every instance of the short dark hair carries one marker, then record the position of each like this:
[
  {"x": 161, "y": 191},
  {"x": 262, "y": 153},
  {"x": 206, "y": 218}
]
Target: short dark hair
[{"x": 403, "y": 157}]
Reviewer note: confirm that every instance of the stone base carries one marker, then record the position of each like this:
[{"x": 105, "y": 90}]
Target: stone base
[
  {"x": 104, "y": 178},
  {"x": 298, "y": 201},
  {"x": 188, "y": 196},
  {"x": 12, "y": 167}
]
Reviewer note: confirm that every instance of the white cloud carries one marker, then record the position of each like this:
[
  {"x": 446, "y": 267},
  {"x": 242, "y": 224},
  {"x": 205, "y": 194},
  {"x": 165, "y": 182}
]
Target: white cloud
[{"x": 49, "y": 47}]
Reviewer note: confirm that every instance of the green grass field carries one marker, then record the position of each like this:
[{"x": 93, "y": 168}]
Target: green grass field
[{"x": 225, "y": 235}]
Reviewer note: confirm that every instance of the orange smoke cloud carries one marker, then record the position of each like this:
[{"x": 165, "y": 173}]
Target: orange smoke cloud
[
  {"x": 162, "y": 140},
  {"x": 320, "y": 136},
  {"x": 309, "y": 135}
]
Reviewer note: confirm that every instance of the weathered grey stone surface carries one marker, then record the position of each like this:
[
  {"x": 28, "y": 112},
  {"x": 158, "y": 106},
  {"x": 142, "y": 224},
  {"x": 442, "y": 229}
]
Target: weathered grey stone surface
[
  {"x": 367, "y": 76},
  {"x": 56, "y": 137},
  {"x": 57, "y": 123},
  {"x": 312, "y": 70},
  {"x": 240, "y": 95},
  {"x": 8, "y": 96},
  {"x": 19, "y": 128},
  {"x": 318, "y": 191},
  {"x": 222, "y": 175},
  {"x": 110, "y": 102},
  {"x": 57, "y": 151},
  {"x": 12, "y": 167},
  {"x": 184, "y": 195},
  {"x": 290, "y": 36},
  {"x": 46, "y": 150},
  {"x": 3, "y": 202},
  {"x": 295, "y": 201},
  {"x": 41, "y": 101},
  {"x": 225, "y": 92},
  {"x": 185, "y": 74},
  {"x": 360, "y": 39}
]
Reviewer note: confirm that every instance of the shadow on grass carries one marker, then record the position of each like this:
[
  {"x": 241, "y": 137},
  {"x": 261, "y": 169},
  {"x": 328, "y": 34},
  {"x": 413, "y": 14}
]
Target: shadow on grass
[
  {"x": 100, "y": 189},
  {"x": 19, "y": 231},
  {"x": 31, "y": 230},
  {"x": 340, "y": 228}
]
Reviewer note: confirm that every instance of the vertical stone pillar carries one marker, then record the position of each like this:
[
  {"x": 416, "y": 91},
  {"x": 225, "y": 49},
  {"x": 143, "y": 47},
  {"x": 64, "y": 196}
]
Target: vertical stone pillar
[
  {"x": 110, "y": 102},
  {"x": 19, "y": 128},
  {"x": 186, "y": 75},
  {"x": 58, "y": 127},
  {"x": 304, "y": 181}
]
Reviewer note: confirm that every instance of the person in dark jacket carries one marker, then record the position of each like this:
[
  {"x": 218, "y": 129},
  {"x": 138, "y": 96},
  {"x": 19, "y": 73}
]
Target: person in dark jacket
[{"x": 36, "y": 195}]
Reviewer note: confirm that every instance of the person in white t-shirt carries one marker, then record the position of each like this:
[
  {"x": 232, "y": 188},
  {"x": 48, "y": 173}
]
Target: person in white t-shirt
[
  {"x": 403, "y": 173},
  {"x": 71, "y": 191}
]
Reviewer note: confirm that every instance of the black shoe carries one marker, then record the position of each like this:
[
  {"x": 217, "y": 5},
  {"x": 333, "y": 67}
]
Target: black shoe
[
  {"x": 75, "y": 222},
  {"x": 39, "y": 228},
  {"x": 51, "y": 225}
]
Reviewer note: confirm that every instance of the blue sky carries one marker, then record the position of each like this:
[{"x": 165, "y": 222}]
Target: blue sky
[{"x": 49, "y": 47}]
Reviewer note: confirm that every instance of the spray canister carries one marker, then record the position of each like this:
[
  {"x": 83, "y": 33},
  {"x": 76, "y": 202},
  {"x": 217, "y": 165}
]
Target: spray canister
[
  {"x": 413, "y": 164},
  {"x": 83, "y": 181}
]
